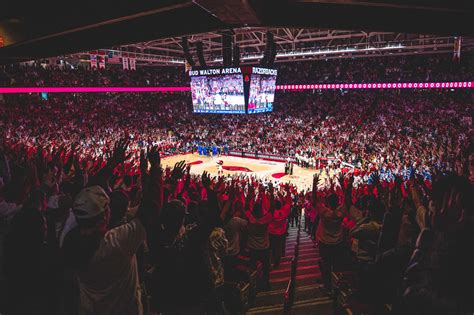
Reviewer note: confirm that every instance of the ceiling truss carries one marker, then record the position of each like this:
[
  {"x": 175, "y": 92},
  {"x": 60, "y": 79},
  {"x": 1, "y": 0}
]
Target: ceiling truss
[{"x": 293, "y": 44}]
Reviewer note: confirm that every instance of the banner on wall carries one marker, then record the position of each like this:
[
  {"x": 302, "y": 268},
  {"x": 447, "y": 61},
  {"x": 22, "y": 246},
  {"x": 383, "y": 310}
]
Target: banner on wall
[
  {"x": 125, "y": 63},
  {"x": 93, "y": 59},
  {"x": 101, "y": 62},
  {"x": 457, "y": 49},
  {"x": 133, "y": 64}
]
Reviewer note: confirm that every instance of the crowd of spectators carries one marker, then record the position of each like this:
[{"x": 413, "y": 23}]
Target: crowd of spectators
[
  {"x": 82, "y": 238},
  {"x": 30, "y": 76},
  {"x": 429, "y": 68},
  {"x": 92, "y": 224},
  {"x": 397, "y": 132}
]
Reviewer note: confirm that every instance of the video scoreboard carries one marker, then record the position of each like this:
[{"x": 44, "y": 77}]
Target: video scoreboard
[{"x": 237, "y": 90}]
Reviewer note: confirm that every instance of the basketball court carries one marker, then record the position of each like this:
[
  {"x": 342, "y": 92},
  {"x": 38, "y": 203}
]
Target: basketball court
[{"x": 271, "y": 170}]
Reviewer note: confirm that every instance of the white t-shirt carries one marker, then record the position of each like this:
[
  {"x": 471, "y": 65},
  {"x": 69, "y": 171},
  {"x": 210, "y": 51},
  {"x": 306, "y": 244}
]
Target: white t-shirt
[{"x": 110, "y": 285}]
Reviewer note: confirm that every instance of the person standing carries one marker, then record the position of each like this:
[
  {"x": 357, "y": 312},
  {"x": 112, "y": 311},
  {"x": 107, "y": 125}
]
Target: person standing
[
  {"x": 258, "y": 240},
  {"x": 277, "y": 227},
  {"x": 105, "y": 260},
  {"x": 329, "y": 233}
]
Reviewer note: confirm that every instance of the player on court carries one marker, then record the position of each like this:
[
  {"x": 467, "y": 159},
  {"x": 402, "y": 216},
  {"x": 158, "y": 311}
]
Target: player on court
[{"x": 220, "y": 170}]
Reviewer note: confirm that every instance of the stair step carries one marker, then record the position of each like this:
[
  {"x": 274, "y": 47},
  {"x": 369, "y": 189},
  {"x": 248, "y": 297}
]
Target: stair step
[
  {"x": 268, "y": 298},
  {"x": 320, "y": 306},
  {"x": 308, "y": 279},
  {"x": 310, "y": 255},
  {"x": 309, "y": 298},
  {"x": 266, "y": 301},
  {"x": 301, "y": 280},
  {"x": 266, "y": 310},
  {"x": 302, "y": 251},
  {"x": 302, "y": 256},
  {"x": 308, "y": 242},
  {"x": 303, "y": 244},
  {"x": 300, "y": 270},
  {"x": 301, "y": 262},
  {"x": 308, "y": 292},
  {"x": 304, "y": 292}
]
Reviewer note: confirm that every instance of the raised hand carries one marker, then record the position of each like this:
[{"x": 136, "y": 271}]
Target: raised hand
[
  {"x": 375, "y": 178},
  {"x": 315, "y": 180},
  {"x": 178, "y": 170},
  {"x": 395, "y": 198},
  {"x": 206, "y": 179},
  {"x": 340, "y": 179},
  {"x": 154, "y": 156},
  {"x": 143, "y": 161},
  {"x": 270, "y": 188},
  {"x": 76, "y": 163},
  {"x": 119, "y": 153}
]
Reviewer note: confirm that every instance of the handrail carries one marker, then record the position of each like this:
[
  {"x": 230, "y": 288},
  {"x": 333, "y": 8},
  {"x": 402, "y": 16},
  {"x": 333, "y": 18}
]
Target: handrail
[{"x": 289, "y": 297}]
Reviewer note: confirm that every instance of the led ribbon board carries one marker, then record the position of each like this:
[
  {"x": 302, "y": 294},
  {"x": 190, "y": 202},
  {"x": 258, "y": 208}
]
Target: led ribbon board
[
  {"x": 394, "y": 85},
  {"x": 284, "y": 87}
]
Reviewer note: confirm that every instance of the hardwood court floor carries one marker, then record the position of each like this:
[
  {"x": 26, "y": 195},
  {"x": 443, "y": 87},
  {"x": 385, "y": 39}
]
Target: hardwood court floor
[{"x": 301, "y": 177}]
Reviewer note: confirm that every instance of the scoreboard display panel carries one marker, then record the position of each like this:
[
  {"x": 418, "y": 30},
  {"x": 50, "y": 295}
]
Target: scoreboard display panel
[
  {"x": 237, "y": 90},
  {"x": 218, "y": 91},
  {"x": 262, "y": 90}
]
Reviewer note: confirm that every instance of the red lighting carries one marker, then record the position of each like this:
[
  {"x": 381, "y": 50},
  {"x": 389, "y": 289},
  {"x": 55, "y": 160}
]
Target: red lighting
[
  {"x": 103, "y": 89},
  {"x": 158, "y": 89}
]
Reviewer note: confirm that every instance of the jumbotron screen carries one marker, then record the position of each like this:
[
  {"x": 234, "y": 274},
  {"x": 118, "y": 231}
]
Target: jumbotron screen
[
  {"x": 262, "y": 90},
  {"x": 219, "y": 90}
]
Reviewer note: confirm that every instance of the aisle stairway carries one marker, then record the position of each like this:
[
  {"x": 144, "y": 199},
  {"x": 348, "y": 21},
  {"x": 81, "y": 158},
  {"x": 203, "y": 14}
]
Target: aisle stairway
[{"x": 309, "y": 297}]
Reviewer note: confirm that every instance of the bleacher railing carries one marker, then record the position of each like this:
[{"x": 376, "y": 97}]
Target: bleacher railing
[{"x": 289, "y": 297}]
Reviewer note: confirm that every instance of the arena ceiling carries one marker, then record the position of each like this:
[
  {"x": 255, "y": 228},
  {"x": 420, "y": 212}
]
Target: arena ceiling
[
  {"x": 36, "y": 29},
  {"x": 293, "y": 44}
]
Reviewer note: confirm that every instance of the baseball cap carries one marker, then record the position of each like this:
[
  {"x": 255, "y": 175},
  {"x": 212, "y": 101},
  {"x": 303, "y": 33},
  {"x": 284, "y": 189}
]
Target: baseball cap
[{"x": 90, "y": 202}]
